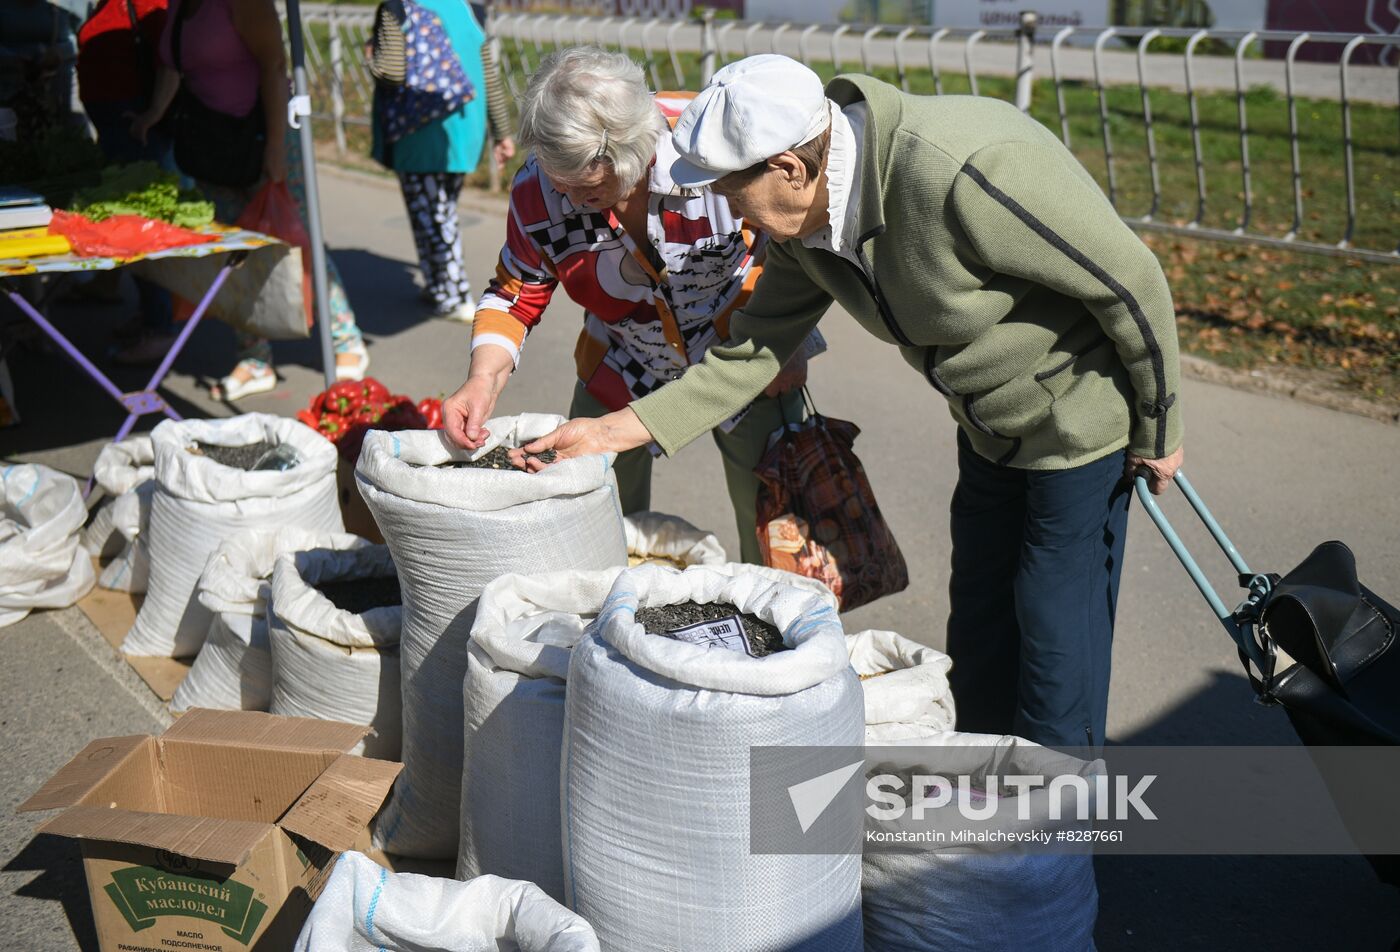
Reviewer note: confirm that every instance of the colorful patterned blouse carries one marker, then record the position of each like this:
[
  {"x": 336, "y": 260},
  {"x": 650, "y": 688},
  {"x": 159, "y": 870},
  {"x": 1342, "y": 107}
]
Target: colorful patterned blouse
[{"x": 650, "y": 312}]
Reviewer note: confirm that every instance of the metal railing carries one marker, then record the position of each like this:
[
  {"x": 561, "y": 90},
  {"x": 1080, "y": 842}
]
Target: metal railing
[{"x": 681, "y": 54}]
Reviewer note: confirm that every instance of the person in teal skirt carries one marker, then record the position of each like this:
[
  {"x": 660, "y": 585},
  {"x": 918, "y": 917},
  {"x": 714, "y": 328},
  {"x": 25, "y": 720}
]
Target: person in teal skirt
[{"x": 433, "y": 161}]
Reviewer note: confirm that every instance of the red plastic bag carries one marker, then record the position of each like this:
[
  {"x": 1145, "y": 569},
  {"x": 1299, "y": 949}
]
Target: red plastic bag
[
  {"x": 121, "y": 236},
  {"x": 817, "y": 514},
  {"x": 273, "y": 211}
]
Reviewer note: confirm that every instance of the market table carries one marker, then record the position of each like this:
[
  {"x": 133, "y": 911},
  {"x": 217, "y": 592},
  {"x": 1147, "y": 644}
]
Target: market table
[{"x": 175, "y": 269}]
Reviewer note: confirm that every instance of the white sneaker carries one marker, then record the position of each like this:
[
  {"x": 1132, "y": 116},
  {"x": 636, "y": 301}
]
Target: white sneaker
[
  {"x": 463, "y": 313},
  {"x": 259, "y": 380}
]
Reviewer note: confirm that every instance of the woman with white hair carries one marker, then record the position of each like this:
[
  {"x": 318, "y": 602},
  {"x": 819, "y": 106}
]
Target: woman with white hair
[{"x": 658, "y": 270}]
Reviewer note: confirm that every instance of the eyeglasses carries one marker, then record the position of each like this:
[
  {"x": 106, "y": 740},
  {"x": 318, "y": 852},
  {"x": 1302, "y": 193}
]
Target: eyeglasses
[{"x": 602, "y": 152}]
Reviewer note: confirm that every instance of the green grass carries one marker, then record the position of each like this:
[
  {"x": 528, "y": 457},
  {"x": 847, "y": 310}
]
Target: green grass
[{"x": 1245, "y": 306}]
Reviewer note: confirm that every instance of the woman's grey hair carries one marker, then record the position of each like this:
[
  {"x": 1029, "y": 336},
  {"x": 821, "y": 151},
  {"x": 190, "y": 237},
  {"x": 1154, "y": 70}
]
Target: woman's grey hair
[{"x": 586, "y": 105}]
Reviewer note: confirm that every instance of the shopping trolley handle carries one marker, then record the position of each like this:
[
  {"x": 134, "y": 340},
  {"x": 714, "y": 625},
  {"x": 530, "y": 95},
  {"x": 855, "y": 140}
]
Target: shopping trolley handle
[{"x": 1237, "y": 623}]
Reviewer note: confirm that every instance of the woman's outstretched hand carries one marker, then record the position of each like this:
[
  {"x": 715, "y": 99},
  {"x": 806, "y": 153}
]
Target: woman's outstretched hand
[{"x": 614, "y": 433}]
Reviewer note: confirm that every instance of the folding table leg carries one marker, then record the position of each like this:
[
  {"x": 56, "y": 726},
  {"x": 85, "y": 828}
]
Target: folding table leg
[{"x": 137, "y": 403}]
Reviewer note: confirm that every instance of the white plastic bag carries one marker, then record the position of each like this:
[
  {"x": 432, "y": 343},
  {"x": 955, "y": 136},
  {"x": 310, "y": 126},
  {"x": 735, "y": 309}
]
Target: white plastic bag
[
  {"x": 234, "y": 668},
  {"x": 126, "y": 472},
  {"x": 452, "y": 531},
  {"x": 330, "y": 663},
  {"x": 41, "y": 563},
  {"x": 656, "y": 771},
  {"x": 198, "y": 503},
  {"x": 905, "y": 684},
  {"x": 670, "y": 540},
  {"x": 980, "y": 897},
  {"x": 366, "y": 908}
]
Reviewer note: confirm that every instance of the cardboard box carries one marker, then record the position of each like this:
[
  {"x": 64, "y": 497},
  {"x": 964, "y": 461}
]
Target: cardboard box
[{"x": 220, "y": 833}]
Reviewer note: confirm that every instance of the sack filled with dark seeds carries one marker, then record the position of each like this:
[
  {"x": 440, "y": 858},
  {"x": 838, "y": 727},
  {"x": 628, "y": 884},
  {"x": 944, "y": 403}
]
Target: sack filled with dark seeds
[
  {"x": 667, "y": 620},
  {"x": 498, "y": 458},
  {"x": 243, "y": 457},
  {"x": 359, "y": 595}
]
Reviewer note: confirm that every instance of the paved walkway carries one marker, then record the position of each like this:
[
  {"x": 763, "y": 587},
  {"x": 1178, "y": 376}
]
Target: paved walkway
[{"x": 1282, "y": 477}]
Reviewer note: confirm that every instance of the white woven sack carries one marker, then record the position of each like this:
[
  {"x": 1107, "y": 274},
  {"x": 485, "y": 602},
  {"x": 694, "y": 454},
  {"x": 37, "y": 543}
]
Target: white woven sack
[
  {"x": 330, "y": 663},
  {"x": 198, "y": 503},
  {"x": 452, "y": 531},
  {"x": 121, "y": 466},
  {"x": 656, "y": 772},
  {"x": 129, "y": 570},
  {"x": 126, "y": 472},
  {"x": 234, "y": 668},
  {"x": 671, "y": 541},
  {"x": 41, "y": 563},
  {"x": 513, "y": 702},
  {"x": 905, "y": 684},
  {"x": 978, "y": 897},
  {"x": 366, "y": 908}
]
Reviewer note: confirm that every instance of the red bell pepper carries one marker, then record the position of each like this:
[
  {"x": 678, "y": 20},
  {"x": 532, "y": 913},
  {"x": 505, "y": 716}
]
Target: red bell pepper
[{"x": 431, "y": 410}]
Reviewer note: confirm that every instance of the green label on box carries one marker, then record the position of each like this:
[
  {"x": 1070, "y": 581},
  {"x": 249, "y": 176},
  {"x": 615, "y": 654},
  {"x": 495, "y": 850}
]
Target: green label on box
[{"x": 143, "y": 893}]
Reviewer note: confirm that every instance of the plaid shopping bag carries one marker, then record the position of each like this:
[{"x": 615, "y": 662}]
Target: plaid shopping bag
[
  {"x": 817, "y": 514},
  {"x": 435, "y": 84}
]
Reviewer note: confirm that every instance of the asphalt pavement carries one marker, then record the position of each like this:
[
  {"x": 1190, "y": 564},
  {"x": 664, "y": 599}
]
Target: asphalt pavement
[{"x": 1281, "y": 476}]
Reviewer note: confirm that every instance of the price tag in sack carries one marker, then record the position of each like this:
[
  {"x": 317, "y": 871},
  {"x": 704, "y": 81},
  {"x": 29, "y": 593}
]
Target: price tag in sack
[{"x": 727, "y": 633}]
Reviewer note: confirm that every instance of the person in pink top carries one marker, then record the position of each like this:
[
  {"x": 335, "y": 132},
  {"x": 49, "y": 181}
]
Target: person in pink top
[{"x": 228, "y": 54}]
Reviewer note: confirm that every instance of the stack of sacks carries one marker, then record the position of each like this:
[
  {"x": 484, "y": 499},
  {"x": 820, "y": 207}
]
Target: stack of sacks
[
  {"x": 671, "y": 541},
  {"x": 452, "y": 530},
  {"x": 41, "y": 563},
  {"x": 513, "y": 700},
  {"x": 126, "y": 472},
  {"x": 905, "y": 685},
  {"x": 198, "y": 503},
  {"x": 366, "y": 908},
  {"x": 234, "y": 668},
  {"x": 657, "y": 739},
  {"x": 977, "y": 897},
  {"x": 335, "y": 653}
]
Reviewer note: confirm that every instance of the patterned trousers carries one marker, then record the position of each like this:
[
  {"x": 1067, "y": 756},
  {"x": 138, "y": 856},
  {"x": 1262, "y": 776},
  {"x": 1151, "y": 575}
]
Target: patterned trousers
[{"x": 431, "y": 200}]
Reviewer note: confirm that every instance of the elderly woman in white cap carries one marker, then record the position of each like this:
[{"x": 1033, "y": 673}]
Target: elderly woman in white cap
[
  {"x": 963, "y": 232},
  {"x": 658, "y": 270}
]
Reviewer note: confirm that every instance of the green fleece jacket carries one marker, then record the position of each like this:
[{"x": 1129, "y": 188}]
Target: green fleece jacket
[{"x": 994, "y": 262}]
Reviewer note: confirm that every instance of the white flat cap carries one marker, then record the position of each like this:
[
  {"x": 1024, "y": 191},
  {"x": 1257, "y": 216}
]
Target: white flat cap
[{"x": 751, "y": 110}]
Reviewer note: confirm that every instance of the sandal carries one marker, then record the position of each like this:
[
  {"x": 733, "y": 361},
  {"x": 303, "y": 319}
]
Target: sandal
[
  {"x": 253, "y": 379},
  {"x": 356, "y": 370}
]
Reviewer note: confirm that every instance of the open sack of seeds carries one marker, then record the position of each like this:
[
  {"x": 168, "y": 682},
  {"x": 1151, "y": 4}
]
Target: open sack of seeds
[
  {"x": 905, "y": 685},
  {"x": 664, "y": 703},
  {"x": 670, "y": 540},
  {"x": 41, "y": 563},
  {"x": 126, "y": 472},
  {"x": 513, "y": 700},
  {"x": 205, "y": 492},
  {"x": 454, "y": 523},
  {"x": 976, "y": 897},
  {"x": 366, "y": 908},
  {"x": 334, "y": 622},
  {"x": 234, "y": 668}
]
